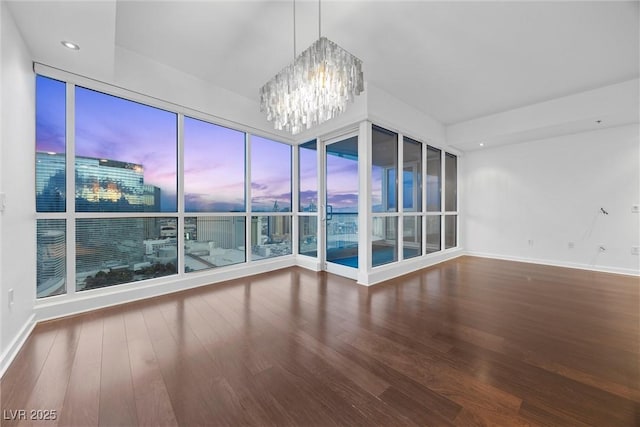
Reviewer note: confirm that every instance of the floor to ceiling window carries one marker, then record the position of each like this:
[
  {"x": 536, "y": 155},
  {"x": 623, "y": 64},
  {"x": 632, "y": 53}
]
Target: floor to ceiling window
[
  {"x": 411, "y": 198},
  {"x": 308, "y": 199},
  {"x": 408, "y": 206},
  {"x": 160, "y": 193},
  {"x": 271, "y": 197},
  {"x": 126, "y": 179},
  {"x": 451, "y": 201},
  {"x": 214, "y": 194},
  {"x": 127, "y": 216},
  {"x": 384, "y": 200},
  {"x": 434, "y": 196},
  {"x": 51, "y": 179}
]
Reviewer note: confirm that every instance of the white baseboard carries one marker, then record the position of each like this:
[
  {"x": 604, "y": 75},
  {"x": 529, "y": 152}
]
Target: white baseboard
[
  {"x": 308, "y": 262},
  {"x": 16, "y": 344},
  {"x": 555, "y": 263},
  {"x": 390, "y": 271}
]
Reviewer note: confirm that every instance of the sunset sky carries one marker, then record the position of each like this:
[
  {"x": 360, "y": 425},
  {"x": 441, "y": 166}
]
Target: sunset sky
[
  {"x": 108, "y": 127},
  {"x": 113, "y": 128}
]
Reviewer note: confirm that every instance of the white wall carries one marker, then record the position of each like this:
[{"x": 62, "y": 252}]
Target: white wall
[
  {"x": 2, "y": 299},
  {"x": 550, "y": 192},
  {"x": 17, "y": 225},
  {"x": 388, "y": 111}
]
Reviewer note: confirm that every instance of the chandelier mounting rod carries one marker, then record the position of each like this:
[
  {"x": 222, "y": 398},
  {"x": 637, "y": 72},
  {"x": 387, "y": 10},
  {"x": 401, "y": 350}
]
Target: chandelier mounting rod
[{"x": 319, "y": 20}]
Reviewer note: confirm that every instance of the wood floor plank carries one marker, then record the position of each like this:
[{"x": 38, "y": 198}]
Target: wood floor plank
[
  {"x": 48, "y": 393},
  {"x": 188, "y": 403},
  {"x": 436, "y": 403},
  {"x": 235, "y": 360},
  {"x": 153, "y": 405},
  {"x": 20, "y": 379},
  {"x": 544, "y": 417},
  {"x": 259, "y": 383},
  {"x": 360, "y": 376},
  {"x": 82, "y": 399},
  {"x": 418, "y": 412},
  {"x": 231, "y": 334},
  {"x": 204, "y": 370},
  {"x": 117, "y": 398},
  {"x": 579, "y": 402},
  {"x": 466, "y": 342},
  {"x": 306, "y": 368},
  {"x": 492, "y": 404}
]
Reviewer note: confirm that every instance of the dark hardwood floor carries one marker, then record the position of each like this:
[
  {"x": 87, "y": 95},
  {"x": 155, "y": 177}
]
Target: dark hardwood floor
[{"x": 468, "y": 342}]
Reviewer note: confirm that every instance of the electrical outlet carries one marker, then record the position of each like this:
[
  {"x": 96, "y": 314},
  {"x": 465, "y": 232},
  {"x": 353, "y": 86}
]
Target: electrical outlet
[
  {"x": 571, "y": 245},
  {"x": 10, "y": 297},
  {"x": 635, "y": 250},
  {"x": 530, "y": 242}
]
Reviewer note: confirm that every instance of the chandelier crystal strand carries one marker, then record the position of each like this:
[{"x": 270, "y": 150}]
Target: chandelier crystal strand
[{"x": 316, "y": 87}]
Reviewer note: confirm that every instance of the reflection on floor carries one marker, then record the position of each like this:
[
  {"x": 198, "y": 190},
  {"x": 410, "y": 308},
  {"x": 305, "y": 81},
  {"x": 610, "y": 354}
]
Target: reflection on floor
[{"x": 467, "y": 342}]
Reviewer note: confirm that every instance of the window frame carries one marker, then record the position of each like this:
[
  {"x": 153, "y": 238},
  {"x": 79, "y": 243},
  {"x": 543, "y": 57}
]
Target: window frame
[
  {"x": 70, "y": 215},
  {"x": 420, "y": 212}
]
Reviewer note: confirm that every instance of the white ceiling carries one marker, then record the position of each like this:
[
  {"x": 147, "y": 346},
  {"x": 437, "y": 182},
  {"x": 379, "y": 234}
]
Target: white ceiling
[{"x": 452, "y": 60}]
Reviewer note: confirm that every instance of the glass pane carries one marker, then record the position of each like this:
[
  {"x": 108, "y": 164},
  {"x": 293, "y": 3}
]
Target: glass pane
[
  {"x": 51, "y": 180},
  {"x": 126, "y": 155},
  {"x": 433, "y": 233},
  {"x": 412, "y": 236},
  {"x": 308, "y": 235},
  {"x": 110, "y": 251},
  {"x": 213, "y": 241},
  {"x": 342, "y": 202},
  {"x": 434, "y": 176},
  {"x": 411, "y": 180},
  {"x": 451, "y": 183},
  {"x": 342, "y": 238},
  {"x": 384, "y": 240},
  {"x": 384, "y": 167},
  {"x": 270, "y": 175},
  {"x": 450, "y": 231},
  {"x": 213, "y": 183},
  {"x": 51, "y": 268},
  {"x": 308, "y": 174},
  {"x": 270, "y": 236}
]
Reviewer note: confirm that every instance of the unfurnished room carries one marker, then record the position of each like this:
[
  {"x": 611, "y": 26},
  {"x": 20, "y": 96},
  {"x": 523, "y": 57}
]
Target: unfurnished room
[{"x": 319, "y": 213}]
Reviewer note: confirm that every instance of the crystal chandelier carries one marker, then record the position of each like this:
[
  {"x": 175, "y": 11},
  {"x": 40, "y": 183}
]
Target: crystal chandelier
[{"x": 316, "y": 87}]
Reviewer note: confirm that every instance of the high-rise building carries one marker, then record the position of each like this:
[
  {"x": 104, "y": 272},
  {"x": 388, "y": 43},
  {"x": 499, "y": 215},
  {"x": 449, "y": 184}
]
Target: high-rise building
[
  {"x": 224, "y": 231},
  {"x": 106, "y": 243},
  {"x": 151, "y": 198},
  {"x": 102, "y": 185},
  {"x": 50, "y": 182},
  {"x": 108, "y": 185},
  {"x": 279, "y": 226},
  {"x": 51, "y": 260}
]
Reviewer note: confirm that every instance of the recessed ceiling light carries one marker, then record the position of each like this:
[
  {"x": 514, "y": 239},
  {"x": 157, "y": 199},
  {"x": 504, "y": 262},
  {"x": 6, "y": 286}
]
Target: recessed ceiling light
[
  {"x": 70, "y": 45},
  {"x": 482, "y": 144}
]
